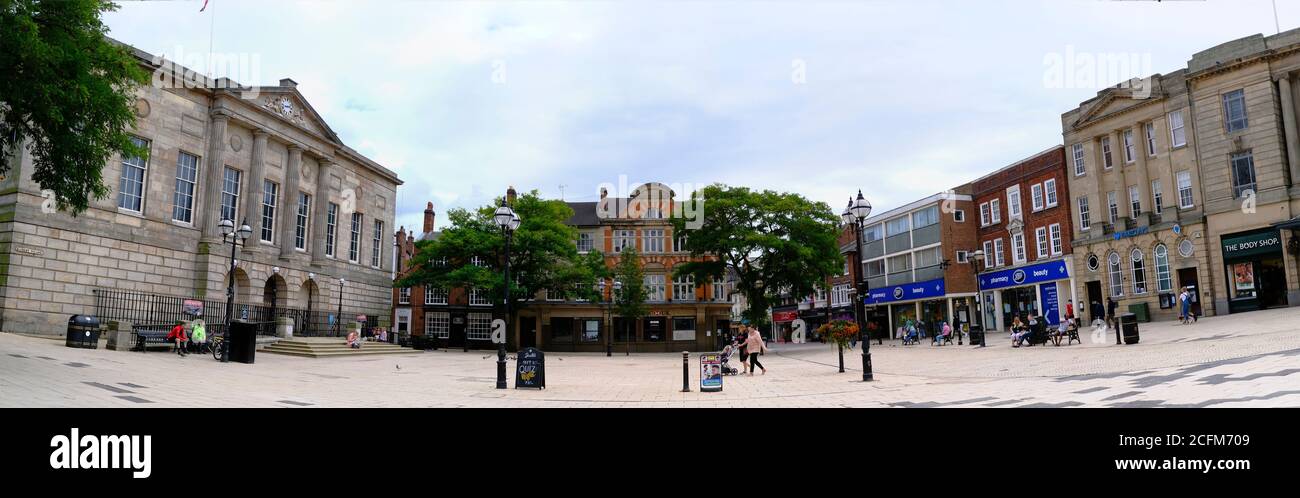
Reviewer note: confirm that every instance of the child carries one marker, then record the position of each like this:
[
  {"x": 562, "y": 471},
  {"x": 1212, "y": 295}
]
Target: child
[{"x": 199, "y": 335}]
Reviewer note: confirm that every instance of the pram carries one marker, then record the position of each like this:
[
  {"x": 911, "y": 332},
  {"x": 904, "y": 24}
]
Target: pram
[{"x": 727, "y": 353}]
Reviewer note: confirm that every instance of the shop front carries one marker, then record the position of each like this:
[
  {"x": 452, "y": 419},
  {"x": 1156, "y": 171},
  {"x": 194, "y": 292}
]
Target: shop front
[
  {"x": 1040, "y": 288},
  {"x": 1254, "y": 270},
  {"x": 908, "y": 302},
  {"x": 782, "y": 323}
]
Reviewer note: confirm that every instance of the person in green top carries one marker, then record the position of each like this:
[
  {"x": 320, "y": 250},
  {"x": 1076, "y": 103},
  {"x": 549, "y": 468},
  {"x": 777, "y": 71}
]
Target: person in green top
[{"x": 198, "y": 334}]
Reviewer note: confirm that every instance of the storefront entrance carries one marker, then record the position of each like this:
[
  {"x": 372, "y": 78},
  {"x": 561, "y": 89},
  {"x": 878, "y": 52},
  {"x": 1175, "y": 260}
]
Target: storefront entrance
[
  {"x": 902, "y": 314},
  {"x": 1019, "y": 301},
  {"x": 1254, "y": 270},
  {"x": 1187, "y": 279},
  {"x": 935, "y": 314}
]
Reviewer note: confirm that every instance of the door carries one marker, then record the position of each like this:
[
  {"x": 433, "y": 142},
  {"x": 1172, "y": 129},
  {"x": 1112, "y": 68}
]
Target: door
[
  {"x": 1094, "y": 296},
  {"x": 527, "y": 332},
  {"x": 720, "y": 333},
  {"x": 1187, "y": 278},
  {"x": 1272, "y": 282},
  {"x": 456, "y": 333}
]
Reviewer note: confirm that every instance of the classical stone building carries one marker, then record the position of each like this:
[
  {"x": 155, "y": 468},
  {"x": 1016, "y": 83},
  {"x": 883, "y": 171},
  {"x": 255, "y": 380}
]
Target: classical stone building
[
  {"x": 1243, "y": 101},
  {"x": 1135, "y": 195},
  {"x": 319, "y": 211}
]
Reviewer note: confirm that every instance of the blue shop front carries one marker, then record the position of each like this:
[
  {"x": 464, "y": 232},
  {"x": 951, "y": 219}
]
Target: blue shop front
[
  {"x": 924, "y": 303},
  {"x": 1045, "y": 289}
]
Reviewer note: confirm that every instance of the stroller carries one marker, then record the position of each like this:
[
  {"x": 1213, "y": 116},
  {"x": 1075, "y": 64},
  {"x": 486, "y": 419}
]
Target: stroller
[{"x": 727, "y": 353}]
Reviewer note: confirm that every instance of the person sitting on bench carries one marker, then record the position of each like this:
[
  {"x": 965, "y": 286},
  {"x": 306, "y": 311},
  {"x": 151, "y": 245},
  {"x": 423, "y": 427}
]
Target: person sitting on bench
[{"x": 177, "y": 334}]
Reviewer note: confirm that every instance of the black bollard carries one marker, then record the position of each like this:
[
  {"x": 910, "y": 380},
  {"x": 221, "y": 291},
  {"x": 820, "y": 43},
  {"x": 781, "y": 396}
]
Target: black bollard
[
  {"x": 841, "y": 359},
  {"x": 686, "y": 371}
]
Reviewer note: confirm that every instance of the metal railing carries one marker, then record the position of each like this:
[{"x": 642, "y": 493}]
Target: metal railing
[{"x": 155, "y": 310}]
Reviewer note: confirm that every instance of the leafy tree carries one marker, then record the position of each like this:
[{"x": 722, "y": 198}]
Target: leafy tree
[
  {"x": 629, "y": 301},
  {"x": 543, "y": 254},
  {"x": 69, "y": 92},
  {"x": 771, "y": 241}
]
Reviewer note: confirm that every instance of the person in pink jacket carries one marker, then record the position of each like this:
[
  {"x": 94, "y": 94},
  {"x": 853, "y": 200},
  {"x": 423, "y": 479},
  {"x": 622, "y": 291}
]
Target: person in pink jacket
[{"x": 755, "y": 346}]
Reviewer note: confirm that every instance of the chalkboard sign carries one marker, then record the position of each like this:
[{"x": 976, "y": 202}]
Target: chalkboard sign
[{"x": 530, "y": 370}]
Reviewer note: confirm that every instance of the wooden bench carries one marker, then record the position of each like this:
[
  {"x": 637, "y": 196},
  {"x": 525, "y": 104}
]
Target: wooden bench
[
  {"x": 151, "y": 336},
  {"x": 941, "y": 339},
  {"x": 1070, "y": 335}
]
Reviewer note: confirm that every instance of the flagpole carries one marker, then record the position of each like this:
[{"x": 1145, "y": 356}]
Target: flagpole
[{"x": 212, "y": 23}]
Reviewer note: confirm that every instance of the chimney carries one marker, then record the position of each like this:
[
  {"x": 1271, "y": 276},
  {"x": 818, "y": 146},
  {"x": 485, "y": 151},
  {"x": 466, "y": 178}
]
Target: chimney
[
  {"x": 428, "y": 218},
  {"x": 510, "y": 195},
  {"x": 289, "y": 83},
  {"x": 603, "y": 193}
]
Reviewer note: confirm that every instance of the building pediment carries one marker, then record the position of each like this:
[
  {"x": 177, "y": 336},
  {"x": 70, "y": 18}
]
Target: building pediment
[
  {"x": 287, "y": 104},
  {"x": 1120, "y": 99}
]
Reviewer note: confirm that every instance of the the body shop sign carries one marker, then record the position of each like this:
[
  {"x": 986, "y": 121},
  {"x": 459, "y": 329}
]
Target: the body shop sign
[{"x": 1252, "y": 244}]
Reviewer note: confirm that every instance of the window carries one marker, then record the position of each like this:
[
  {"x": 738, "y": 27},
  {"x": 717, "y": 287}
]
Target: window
[
  {"x": 1139, "y": 272},
  {"x": 1157, "y": 199},
  {"x": 679, "y": 242},
  {"x": 872, "y": 233},
  {"x": 404, "y": 296},
  {"x": 719, "y": 291},
  {"x": 478, "y": 261},
  {"x": 963, "y": 257},
  {"x": 230, "y": 194},
  {"x": 1177, "y": 134},
  {"x": 331, "y": 224},
  {"x": 479, "y": 326},
  {"x": 900, "y": 263},
  {"x": 1185, "y": 189},
  {"x": 584, "y": 242},
  {"x": 1151, "y": 139},
  {"x": 376, "y": 256},
  {"x": 1113, "y": 202},
  {"x": 1085, "y": 218},
  {"x": 1105, "y": 153},
  {"x": 1049, "y": 186},
  {"x": 435, "y": 295},
  {"x": 624, "y": 239},
  {"x": 684, "y": 288},
  {"x": 999, "y": 253},
  {"x": 1040, "y": 239},
  {"x": 1080, "y": 167},
  {"x": 929, "y": 257},
  {"x": 1058, "y": 245},
  {"x": 959, "y": 216},
  {"x": 1243, "y": 173},
  {"x": 1037, "y": 198},
  {"x": 270, "y": 194},
  {"x": 654, "y": 287},
  {"x": 925, "y": 217},
  {"x": 300, "y": 229},
  {"x": 874, "y": 268},
  {"x": 1129, "y": 156},
  {"x": 1013, "y": 202},
  {"x": 653, "y": 213},
  {"x": 652, "y": 240},
  {"x": 988, "y": 254},
  {"x": 354, "y": 249},
  {"x": 995, "y": 206},
  {"x": 986, "y": 217},
  {"x": 1163, "y": 282},
  {"x": 840, "y": 295},
  {"x": 590, "y": 330},
  {"x": 1234, "y": 110},
  {"x": 187, "y": 173},
  {"x": 896, "y": 226},
  {"x": 478, "y": 297},
  {"x": 130, "y": 191},
  {"x": 1116, "y": 275},
  {"x": 1134, "y": 201},
  {"x": 1185, "y": 248},
  {"x": 437, "y": 324},
  {"x": 1018, "y": 245}
]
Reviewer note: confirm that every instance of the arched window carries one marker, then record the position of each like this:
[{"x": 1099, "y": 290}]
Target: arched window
[
  {"x": 1139, "y": 272},
  {"x": 1116, "y": 275},
  {"x": 1163, "y": 282}
]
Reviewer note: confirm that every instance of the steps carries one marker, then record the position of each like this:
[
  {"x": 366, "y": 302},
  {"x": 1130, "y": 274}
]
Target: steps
[{"x": 331, "y": 348}]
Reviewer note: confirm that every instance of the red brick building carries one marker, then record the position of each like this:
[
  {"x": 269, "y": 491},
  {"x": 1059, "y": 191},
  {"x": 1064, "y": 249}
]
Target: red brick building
[{"x": 1023, "y": 214}]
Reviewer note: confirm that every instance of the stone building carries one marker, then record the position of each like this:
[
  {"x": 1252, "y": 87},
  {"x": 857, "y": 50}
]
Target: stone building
[
  {"x": 319, "y": 211},
  {"x": 1139, "y": 215},
  {"x": 1025, "y": 233}
]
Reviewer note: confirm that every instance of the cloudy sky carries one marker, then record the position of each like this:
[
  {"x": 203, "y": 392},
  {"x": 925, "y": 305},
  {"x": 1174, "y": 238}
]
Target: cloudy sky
[{"x": 899, "y": 98}]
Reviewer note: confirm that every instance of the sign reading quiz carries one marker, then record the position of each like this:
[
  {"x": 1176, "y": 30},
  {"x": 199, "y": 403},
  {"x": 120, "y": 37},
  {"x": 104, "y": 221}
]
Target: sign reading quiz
[{"x": 530, "y": 369}]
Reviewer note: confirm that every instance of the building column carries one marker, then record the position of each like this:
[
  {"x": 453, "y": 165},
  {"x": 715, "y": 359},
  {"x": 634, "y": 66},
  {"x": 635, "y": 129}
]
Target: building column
[
  {"x": 1289, "y": 127},
  {"x": 211, "y": 216},
  {"x": 1121, "y": 195},
  {"x": 289, "y": 206},
  {"x": 253, "y": 199},
  {"x": 1143, "y": 178},
  {"x": 321, "y": 213}
]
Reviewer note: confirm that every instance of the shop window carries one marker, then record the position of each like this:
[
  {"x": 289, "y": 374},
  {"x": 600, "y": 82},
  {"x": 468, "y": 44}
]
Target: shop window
[
  {"x": 1116, "y": 273},
  {"x": 1163, "y": 281},
  {"x": 1139, "y": 272}
]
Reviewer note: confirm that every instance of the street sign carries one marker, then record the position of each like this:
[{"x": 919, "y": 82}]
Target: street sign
[
  {"x": 530, "y": 369},
  {"x": 498, "y": 331},
  {"x": 710, "y": 372}
]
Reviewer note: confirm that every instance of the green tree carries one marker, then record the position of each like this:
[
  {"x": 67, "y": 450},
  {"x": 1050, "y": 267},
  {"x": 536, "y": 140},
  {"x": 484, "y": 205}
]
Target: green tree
[
  {"x": 543, "y": 254},
  {"x": 68, "y": 92},
  {"x": 629, "y": 301},
  {"x": 771, "y": 241}
]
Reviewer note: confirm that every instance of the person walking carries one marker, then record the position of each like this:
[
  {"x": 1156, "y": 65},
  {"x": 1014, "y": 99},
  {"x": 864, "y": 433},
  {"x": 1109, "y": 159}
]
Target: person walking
[
  {"x": 1184, "y": 307},
  {"x": 755, "y": 346},
  {"x": 1097, "y": 312},
  {"x": 1111, "y": 307}
]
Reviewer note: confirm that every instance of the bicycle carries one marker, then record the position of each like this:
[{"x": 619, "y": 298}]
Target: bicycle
[{"x": 218, "y": 346}]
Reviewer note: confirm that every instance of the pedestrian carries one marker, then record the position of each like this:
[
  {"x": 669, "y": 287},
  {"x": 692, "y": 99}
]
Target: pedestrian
[
  {"x": 199, "y": 336},
  {"x": 740, "y": 342},
  {"x": 1098, "y": 313},
  {"x": 1184, "y": 306},
  {"x": 756, "y": 347},
  {"x": 1069, "y": 311},
  {"x": 1111, "y": 307},
  {"x": 177, "y": 335}
]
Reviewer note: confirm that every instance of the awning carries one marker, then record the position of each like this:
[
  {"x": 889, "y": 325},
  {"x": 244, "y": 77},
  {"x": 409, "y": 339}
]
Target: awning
[{"x": 1291, "y": 224}]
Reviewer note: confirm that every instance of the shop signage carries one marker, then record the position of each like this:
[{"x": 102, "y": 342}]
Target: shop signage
[
  {"x": 906, "y": 292},
  {"x": 530, "y": 369},
  {"x": 1252, "y": 244},
  {"x": 1032, "y": 274},
  {"x": 710, "y": 372},
  {"x": 784, "y": 316},
  {"x": 1051, "y": 304},
  {"x": 193, "y": 307},
  {"x": 1131, "y": 233}
]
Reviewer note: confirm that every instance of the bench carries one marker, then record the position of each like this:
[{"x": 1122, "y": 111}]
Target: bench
[
  {"x": 151, "y": 336},
  {"x": 1070, "y": 335},
  {"x": 940, "y": 339}
]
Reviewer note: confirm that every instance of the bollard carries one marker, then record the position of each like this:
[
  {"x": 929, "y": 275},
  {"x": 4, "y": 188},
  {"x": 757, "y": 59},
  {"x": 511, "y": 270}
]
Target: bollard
[{"x": 686, "y": 371}]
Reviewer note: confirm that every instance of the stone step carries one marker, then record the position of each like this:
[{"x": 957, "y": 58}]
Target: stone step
[
  {"x": 331, "y": 347},
  {"x": 351, "y": 352}
]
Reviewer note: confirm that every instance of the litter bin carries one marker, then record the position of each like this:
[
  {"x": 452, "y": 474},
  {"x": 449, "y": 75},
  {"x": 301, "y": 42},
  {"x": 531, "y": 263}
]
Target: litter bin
[
  {"x": 1142, "y": 311},
  {"x": 976, "y": 335},
  {"x": 83, "y": 332},
  {"x": 1129, "y": 325},
  {"x": 243, "y": 341}
]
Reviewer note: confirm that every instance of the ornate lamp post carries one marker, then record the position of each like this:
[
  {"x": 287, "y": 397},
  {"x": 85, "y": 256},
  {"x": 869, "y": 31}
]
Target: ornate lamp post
[
  {"x": 339, "y": 321},
  {"x": 235, "y": 237},
  {"x": 508, "y": 220},
  {"x": 855, "y": 214},
  {"x": 975, "y": 259},
  {"x": 608, "y": 302}
]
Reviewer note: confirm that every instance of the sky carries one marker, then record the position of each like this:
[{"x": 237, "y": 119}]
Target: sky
[{"x": 901, "y": 99}]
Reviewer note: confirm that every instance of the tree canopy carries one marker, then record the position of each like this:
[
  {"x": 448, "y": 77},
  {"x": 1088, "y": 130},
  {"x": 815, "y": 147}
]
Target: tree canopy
[
  {"x": 68, "y": 92},
  {"x": 629, "y": 301}
]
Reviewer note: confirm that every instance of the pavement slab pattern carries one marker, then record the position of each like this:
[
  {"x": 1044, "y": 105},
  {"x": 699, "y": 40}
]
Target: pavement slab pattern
[{"x": 1250, "y": 359}]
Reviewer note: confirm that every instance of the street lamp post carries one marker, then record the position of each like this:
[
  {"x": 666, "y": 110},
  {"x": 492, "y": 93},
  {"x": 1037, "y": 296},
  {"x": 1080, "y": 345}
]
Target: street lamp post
[
  {"x": 508, "y": 220},
  {"x": 855, "y": 214},
  {"x": 608, "y": 302},
  {"x": 338, "y": 322},
  {"x": 236, "y": 237},
  {"x": 975, "y": 259}
]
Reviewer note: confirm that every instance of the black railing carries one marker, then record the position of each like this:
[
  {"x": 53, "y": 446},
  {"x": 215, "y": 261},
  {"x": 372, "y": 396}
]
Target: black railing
[{"x": 155, "y": 310}]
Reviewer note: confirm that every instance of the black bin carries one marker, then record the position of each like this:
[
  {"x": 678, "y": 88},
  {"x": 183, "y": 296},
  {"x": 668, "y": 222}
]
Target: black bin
[
  {"x": 243, "y": 341},
  {"x": 83, "y": 332},
  {"x": 1129, "y": 326},
  {"x": 976, "y": 335},
  {"x": 418, "y": 342}
]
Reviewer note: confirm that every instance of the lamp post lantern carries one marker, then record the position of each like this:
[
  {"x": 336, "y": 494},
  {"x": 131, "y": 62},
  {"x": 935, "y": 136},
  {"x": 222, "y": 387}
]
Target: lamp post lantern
[
  {"x": 975, "y": 259},
  {"x": 508, "y": 220},
  {"x": 236, "y": 237},
  {"x": 856, "y": 214}
]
